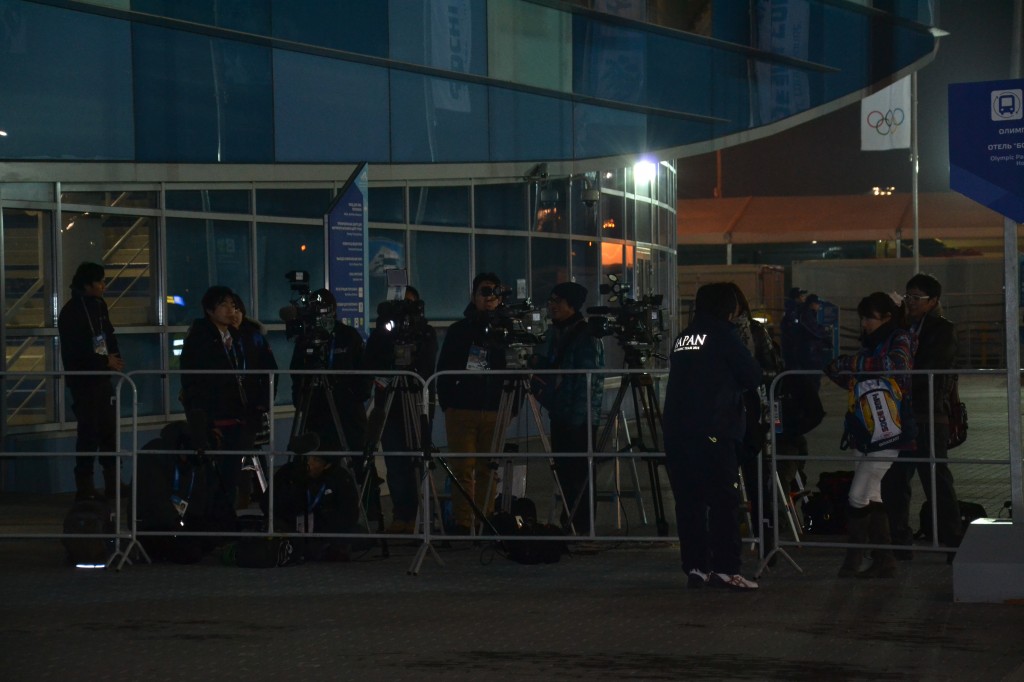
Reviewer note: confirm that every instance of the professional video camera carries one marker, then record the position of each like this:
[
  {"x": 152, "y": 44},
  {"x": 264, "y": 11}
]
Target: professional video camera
[
  {"x": 517, "y": 327},
  {"x": 309, "y": 316},
  {"x": 402, "y": 319},
  {"x": 638, "y": 324}
]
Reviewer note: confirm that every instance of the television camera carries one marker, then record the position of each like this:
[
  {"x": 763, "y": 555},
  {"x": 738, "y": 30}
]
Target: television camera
[
  {"x": 638, "y": 324},
  {"x": 309, "y": 316},
  {"x": 517, "y": 327},
  {"x": 403, "y": 320}
]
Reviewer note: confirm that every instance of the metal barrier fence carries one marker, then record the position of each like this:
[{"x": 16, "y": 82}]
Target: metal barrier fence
[{"x": 628, "y": 408}]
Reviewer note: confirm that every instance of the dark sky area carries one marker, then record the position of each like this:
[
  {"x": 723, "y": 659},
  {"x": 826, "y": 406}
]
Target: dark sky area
[{"x": 823, "y": 156}]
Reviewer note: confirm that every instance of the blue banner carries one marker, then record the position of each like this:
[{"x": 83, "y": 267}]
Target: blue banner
[
  {"x": 347, "y": 229},
  {"x": 986, "y": 144}
]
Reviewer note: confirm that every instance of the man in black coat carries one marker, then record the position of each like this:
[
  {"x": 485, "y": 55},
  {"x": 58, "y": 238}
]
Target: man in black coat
[
  {"x": 936, "y": 349},
  {"x": 88, "y": 344},
  {"x": 470, "y": 402},
  {"x": 704, "y": 422},
  {"x": 212, "y": 350},
  {"x": 335, "y": 347}
]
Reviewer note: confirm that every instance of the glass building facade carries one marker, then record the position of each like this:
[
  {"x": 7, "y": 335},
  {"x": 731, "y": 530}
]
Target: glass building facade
[{"x": 184, "y": 143}]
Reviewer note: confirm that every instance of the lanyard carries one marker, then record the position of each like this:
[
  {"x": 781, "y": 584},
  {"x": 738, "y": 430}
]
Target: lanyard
[{"x": 313, "y": 502}]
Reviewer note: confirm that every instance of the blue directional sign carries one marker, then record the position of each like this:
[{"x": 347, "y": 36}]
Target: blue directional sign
[
  {"x": 346, "y": 226},
  {"x": 986, "y": 144}
]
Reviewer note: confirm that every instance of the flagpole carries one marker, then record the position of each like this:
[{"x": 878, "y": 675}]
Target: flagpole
[{"x": 915, "y": 167}]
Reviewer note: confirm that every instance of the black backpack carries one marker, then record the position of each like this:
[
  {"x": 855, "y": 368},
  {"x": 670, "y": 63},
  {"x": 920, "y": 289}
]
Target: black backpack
[
  {"x": 522, "y": 523},
  {"x": 93, "y": 517}
]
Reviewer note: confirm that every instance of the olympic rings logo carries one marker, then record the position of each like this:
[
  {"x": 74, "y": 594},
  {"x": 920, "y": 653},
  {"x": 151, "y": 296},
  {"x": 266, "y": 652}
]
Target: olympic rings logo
[{"x": 887, "y": 123}]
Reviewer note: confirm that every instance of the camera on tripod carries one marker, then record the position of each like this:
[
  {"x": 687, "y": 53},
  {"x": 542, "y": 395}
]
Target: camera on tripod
[
  {"x": 515, "y": 327},
  {"x": 403, "y": 320},
  {"x": 309, "y": 316},
  {"x": 638, "y": 324}
]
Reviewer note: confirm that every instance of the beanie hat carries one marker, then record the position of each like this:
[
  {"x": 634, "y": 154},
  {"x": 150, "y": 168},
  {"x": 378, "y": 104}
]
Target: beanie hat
[{"x": 574, "y": 294}]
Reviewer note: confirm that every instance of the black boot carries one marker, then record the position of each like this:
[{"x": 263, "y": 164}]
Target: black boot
[
  {"x": 883, "y": 562},
  {"x": 84, "y": 488},
  {"x": 857, "y": 524}
]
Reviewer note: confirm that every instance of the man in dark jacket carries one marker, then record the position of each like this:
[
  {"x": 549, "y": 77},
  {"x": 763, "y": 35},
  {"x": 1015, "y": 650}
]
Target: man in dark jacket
[
  {"x": 333, "y": 346},
  {"x": 569, "y": 344},
  {"x": 211, "y": 350},
  {"x": 88, "y": 344},
  {"x": 470, "y": 403},
  {"x": 936, "y": 349},
  {"x": 704, "y": 424}
]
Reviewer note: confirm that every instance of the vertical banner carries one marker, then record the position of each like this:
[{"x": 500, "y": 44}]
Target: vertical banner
[
  {"x": 347, "y": 229},
  {"x": 451, "y": 40},
  {"x": 783, "y": 27},
  {"x": 885, "y": 118}
]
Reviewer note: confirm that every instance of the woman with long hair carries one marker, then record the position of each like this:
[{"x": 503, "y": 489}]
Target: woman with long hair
[{"x": 886, "y": 346}]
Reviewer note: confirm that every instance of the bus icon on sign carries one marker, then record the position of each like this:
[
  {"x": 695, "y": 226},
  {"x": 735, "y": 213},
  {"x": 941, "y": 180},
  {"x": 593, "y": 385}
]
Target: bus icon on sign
[{"x": 1006, "y": 105}]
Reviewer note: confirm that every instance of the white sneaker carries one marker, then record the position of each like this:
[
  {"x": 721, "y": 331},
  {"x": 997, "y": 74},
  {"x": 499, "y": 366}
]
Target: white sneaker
[{"x": 732, "y": 582}]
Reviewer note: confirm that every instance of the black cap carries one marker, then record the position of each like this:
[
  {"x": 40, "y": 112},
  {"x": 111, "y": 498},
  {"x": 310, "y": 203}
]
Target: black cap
[
  {"x": 797, "y": 292},
  {"x": 573, "y": 293},
  {"x": 813, "y": 298}
]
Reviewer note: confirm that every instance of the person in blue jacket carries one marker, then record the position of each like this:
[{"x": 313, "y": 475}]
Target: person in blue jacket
[{"x": 704, "y": 422}]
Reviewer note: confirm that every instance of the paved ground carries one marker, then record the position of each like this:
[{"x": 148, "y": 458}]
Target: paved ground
[{"x": 619, "y": 613}]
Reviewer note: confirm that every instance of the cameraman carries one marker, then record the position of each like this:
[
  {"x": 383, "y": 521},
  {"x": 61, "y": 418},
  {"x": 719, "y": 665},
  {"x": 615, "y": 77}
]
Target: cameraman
[
  {"x": 570, "y": 345},
  {"x": 470, "y": 403},
  {"x": 410, "y": 328},
  {"x": 332, "y": 346}
]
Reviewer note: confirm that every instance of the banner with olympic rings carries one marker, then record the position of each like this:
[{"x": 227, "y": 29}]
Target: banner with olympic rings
[{"x": 885, "y": 118}]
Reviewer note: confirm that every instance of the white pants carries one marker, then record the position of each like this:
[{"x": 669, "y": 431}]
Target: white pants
[{"x": 866, "y": 486}]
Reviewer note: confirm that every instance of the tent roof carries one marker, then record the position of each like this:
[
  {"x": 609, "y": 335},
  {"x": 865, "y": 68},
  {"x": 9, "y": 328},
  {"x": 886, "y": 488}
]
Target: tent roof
[{"x": 762, "y": 220}]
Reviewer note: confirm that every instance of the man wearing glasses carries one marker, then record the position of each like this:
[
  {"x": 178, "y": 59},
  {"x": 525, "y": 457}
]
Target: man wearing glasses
[
  {"x": 936, "y": 349},
  {"x": 470, "y": 401}
]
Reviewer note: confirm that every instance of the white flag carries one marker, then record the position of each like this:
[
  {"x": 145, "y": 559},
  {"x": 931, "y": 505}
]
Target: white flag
[{"x": 885, "y": 118}]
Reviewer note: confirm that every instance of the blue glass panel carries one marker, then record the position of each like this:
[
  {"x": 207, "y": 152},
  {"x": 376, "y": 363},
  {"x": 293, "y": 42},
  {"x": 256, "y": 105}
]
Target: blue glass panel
[
  {"x": 209, "y": 200},
  {"x": 612, "y": 216},
  {"x": 440, "y": 270},
  {"x": 281, "y": 249},
  {"x": 528, "y": 126},
  {"x": 549, "y": 206},
  {"x": 293, "y": 203},
  {"x": 586, "y": 259},
  {"x": 202, "y": 253},
  {"x": 584, "y": 214},
  {"x": 504, "y": 256},
  {"x": 201, "y": 99},
  {"x": 642, "y": 231},
  {"x": 49, "y": 110},
  {"x": 600, "y": 131},
  {"x": 386, "y": 204},
  {"x": 436, "y": 119},
  {"x": 142, "y": 351},
  {"x": 351, "y": 25},
  {"x": 248, "y": 16},
  {"x": 328, "y": 110},
  {"x": 549, "y": 265},
  {"x": 500, "y": 206},
  {"x": 609, "y": 61},
  {"x": 448, "y": 206},
  {"x": 440, "y": 33}
]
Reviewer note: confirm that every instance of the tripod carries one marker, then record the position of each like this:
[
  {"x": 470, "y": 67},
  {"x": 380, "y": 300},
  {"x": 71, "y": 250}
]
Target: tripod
[
  {"x": 405, "y": 388},
  {"x": 646, "y": 408},
  {"x": 319, "y": 386},
  {"x": 791, "y": 516},
  {"x": 515, "y": 391}
]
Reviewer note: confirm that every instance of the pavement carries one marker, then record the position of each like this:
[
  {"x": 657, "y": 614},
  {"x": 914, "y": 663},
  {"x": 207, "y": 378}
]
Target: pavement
[{"x": 617, "y": 610}]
